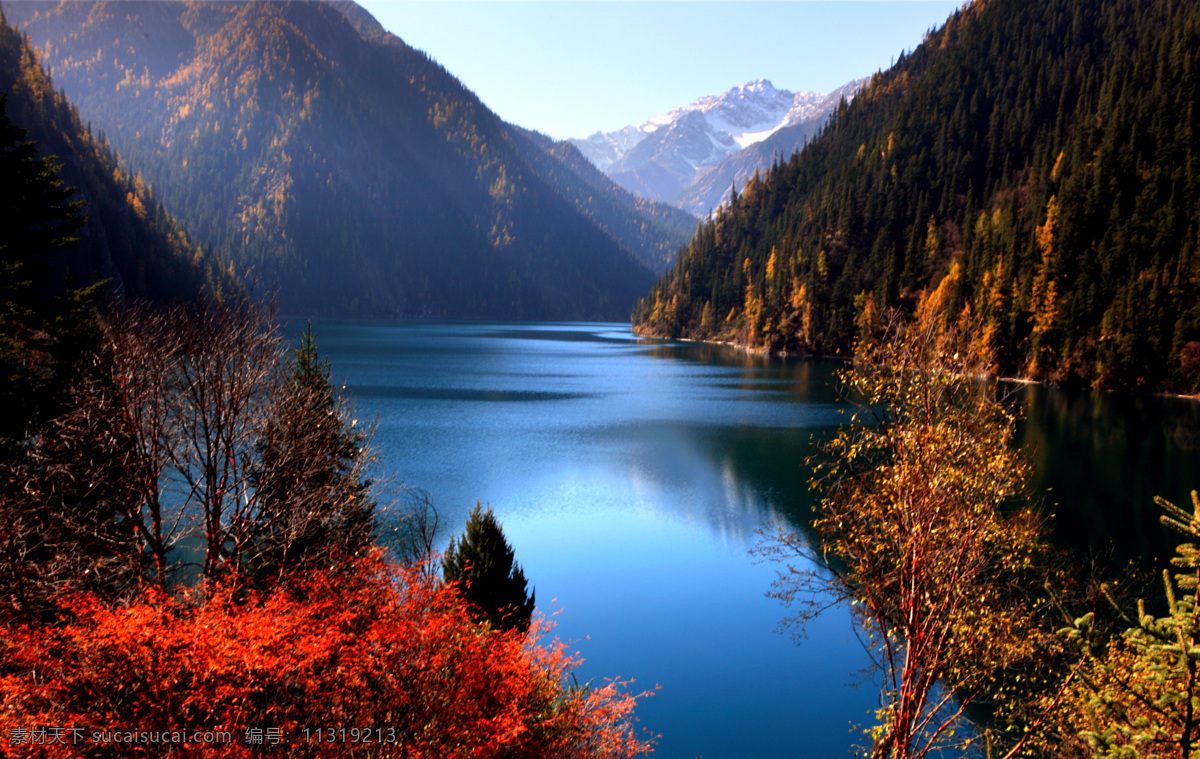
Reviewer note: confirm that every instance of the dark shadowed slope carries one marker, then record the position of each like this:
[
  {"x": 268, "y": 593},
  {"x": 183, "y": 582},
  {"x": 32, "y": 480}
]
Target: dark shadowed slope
[
  {"x": 316, "y": 151},
  {"x": 127, "y": 238}
]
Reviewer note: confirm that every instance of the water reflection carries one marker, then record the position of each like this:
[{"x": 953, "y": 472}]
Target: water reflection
[
  {"x": 631, "y": 479},
  {"x": 1100, "y": 459},
  {"x": 632, "y": 476},
  {"x": 460, "y": 395}
]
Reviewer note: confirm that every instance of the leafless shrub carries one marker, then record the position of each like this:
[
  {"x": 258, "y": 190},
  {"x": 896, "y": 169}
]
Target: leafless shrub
[{"x": 415, "y": 531}]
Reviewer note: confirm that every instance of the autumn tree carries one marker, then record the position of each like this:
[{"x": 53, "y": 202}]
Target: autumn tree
[
  {"x": 142, "y": 401},
  {"x": 229, "y": 361},
  {"x": 63, "y": 506},
  {"x": 414, "y": 533},
  {"x": 481, "y": 563},
  {"x": 918, "y": 529}
]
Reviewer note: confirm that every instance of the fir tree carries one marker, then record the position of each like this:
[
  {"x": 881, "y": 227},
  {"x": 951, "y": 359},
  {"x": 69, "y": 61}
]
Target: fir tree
[
  {"x": 312, "y": 492},
  {"x": 481, "y": 562},
  {"x": 38, "y": 218},
  {"x": 1140, "y": 697}
]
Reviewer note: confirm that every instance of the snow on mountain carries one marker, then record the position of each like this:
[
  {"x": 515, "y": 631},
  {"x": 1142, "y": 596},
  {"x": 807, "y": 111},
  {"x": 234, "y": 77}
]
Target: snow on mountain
[
  {"x": 602, "y": 148},
  {"x": 665, "y": 156},
  {"x": 802, "y": 124},
  {"x": 744, "y": 113}
]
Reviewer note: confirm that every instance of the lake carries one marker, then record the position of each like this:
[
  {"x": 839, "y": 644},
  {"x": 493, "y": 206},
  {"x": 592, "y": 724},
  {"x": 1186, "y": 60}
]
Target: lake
[{"x": 631, "y": 478}]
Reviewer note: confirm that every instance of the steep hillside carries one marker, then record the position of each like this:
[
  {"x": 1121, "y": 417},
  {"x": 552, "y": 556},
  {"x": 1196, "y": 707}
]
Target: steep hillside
[
  {"x": 316, "y": 151},
  {"x": 127, "y": 237},
  {"x": 653, "y": 230},
  {"x": 1031, "y": 170}
]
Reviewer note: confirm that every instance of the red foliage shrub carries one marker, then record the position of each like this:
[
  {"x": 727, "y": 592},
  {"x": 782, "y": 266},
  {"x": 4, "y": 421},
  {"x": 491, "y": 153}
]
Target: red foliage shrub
[{"x": 377, "y": 661}]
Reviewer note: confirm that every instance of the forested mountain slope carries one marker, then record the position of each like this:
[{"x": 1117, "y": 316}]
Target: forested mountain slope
[
  {"x": 652, "y": 229},
  {"x": 316, "y": 151},
  {"x": 1031, "y": 170},
  {"x": 127, "y": 237}
]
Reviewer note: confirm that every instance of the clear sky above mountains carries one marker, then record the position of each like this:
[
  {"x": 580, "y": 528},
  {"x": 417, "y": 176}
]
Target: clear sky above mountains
[{"x": 571, "y": 68}]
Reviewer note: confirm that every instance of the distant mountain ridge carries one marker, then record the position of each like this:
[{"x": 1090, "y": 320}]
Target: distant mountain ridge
[
  {"x": 666, "y": 157},
  {"x": 318, "y": 152},
  {"x": 657, "y": 230}
]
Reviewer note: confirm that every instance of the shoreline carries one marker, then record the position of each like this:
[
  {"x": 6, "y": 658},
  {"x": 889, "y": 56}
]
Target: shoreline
[{"x": 767, "y": 352}]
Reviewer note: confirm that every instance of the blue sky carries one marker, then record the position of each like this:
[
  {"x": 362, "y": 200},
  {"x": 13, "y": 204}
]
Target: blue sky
[{"x": 569, "y": 68}]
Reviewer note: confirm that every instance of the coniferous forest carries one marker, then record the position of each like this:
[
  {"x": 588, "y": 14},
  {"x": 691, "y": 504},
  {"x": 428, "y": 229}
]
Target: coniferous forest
[{"x": 1031, "y": 171}]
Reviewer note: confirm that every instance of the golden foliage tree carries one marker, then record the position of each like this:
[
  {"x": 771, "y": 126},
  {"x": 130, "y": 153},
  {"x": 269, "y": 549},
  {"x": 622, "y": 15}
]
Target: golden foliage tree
[{"x": 919, "y": 531}]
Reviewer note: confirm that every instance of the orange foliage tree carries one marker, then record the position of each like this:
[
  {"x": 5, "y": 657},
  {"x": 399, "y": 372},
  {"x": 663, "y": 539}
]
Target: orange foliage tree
[{"x": 375, "y": 660}]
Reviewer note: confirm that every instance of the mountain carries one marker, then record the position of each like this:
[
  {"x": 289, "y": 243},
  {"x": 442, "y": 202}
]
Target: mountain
[
  {"x": 1030, "y": 172},
  {"x": 127, "y": 237},
  {"x": 712, "y": 189},
  {"x": 320, "y": 154},
  {"x": 665, "y": 157},
  {"x": 654, "y": 230}
]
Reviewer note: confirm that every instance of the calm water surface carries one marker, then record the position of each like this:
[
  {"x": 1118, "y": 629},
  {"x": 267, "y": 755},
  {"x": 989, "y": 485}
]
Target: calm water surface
[{"x": 631, "y": 478}]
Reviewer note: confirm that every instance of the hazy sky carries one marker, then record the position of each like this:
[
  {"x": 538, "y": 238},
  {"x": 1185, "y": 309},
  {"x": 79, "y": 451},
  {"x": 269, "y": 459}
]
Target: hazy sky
[{"x": 570, "y": 68}]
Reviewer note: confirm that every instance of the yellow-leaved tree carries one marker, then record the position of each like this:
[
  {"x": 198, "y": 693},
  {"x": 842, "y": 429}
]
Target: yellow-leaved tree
[{"x": 922, "y": 530}]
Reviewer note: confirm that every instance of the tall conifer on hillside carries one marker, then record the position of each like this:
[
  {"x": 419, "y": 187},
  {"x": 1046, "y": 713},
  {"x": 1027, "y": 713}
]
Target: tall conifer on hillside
[{"x": 38, "y": 218}]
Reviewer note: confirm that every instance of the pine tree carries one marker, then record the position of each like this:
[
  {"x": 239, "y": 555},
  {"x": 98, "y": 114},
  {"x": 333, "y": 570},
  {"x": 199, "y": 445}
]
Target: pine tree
[
  {"x": 481, "y": 562},
  {"x": 38, "y": 218},
  {"x": 1141, "y": 696},
  {"x": 314, "y": 505}
]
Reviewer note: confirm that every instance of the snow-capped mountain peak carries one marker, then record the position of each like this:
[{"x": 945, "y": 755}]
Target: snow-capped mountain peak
[
  {"x": 752, "y": 107},
  {"x": 666, "y": 154}
]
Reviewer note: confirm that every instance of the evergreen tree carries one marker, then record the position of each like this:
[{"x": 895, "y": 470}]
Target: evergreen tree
[
  {"x": 481, "y": 562},
  {"x": 38, "y": 218},
  {"x": 313, "y": 500},
  {"x": 1140, "y": 697}
]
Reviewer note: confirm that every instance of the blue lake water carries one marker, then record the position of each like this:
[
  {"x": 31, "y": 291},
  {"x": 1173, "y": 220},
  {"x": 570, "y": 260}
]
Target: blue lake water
[{"x": 631, "y": 478}]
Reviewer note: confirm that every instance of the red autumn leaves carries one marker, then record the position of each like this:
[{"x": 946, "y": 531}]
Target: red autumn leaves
[{"x": 374, "y": 660}]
